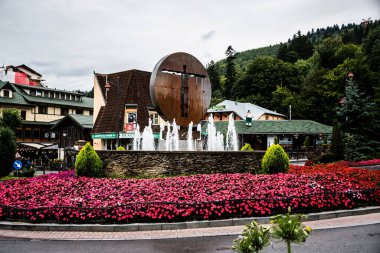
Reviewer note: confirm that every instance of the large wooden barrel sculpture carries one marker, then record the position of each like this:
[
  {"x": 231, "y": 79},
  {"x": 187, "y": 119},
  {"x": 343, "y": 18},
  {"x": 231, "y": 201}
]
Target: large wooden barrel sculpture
[{"x": 180, "y": 89}]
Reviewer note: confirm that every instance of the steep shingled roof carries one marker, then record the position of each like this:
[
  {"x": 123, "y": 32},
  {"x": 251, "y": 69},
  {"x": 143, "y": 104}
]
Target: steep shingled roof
[
  {"x": 16, "y": 99},
  {"x": 83, "y": 121},
  {"x": 134, "y": 89},
  {"x": 273, "y": 127}
]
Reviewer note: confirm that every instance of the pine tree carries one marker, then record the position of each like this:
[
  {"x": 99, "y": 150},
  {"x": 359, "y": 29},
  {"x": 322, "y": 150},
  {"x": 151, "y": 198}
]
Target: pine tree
[
  {"x": 214, "y": 77},
  {"x": 337, "y": 145},
  {"x": 230, "y": 72}
]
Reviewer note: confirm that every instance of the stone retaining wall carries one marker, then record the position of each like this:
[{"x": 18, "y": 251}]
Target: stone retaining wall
[{"x": 163, "y": 163}]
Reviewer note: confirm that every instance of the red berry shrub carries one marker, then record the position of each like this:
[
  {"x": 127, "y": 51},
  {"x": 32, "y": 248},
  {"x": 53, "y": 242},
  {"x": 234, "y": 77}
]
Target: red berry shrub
[{"x": 67, "y": 198}]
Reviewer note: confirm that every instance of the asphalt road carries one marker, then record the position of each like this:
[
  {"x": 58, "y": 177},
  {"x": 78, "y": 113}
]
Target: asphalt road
[{"x": 363, "y": 239}]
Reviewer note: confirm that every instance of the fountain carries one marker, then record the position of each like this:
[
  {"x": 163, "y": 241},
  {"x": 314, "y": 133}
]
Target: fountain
[
  {"x": 231, "y": 138},
  {"x": 180, "y": 89},
  {"x": 147, "y": 142},
  {"x": 190, "y": 137}
]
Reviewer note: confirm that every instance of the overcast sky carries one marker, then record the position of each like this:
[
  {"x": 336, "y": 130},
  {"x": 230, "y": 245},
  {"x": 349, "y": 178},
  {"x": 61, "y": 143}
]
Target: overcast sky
[{"x": 66, "y": 40}]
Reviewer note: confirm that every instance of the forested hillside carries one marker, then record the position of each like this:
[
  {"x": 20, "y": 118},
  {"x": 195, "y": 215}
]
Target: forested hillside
[{"x": 326, "y": 74}]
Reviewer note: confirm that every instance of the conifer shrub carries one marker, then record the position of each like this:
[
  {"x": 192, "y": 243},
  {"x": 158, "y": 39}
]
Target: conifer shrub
[
  {"x": 247, "y": 147},
  {"x": 120, "y": 148},
  {"x": 275, "y": 160},
  {"x": 88, "y": 162},
  {"x": 276, "y": 140}
]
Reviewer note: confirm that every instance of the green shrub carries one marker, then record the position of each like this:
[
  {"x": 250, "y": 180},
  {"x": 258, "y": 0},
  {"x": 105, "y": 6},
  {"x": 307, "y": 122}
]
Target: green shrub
[
  {"x": 275, "y": 160},
  {"x": 120, "y": 148},
  {"x": 351, "y": 152},
  {"x": 24, "y": 173},
  {"x": 276, "y": 140},
  {"x": 7, "y": 150},
  {"x": 326, "y": 158},
  {"x": 247, "y": 147},
  {"x": 88, "y": 162}
]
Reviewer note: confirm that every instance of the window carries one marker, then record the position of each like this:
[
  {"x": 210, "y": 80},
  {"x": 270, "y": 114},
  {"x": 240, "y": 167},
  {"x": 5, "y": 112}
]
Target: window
[
  {"x": 64, "y": 111},
  {"x": 23, "y": 115},
  {"x": 38, "y": 93},
  {"x": 91, "y": 112},
  {"x": 77, "y": 98},
  {"x": 32, "y": 92},
  {"x": 46, "y": 94},
  {"x": 154, "y": 118},
  {"x": 6, "y": 93},
  {"x": 131, "y": 117},
  {"x": 42, "y": 109},
  {"x": 79, "y": 111},
  {"x": 51, "y": 94}
]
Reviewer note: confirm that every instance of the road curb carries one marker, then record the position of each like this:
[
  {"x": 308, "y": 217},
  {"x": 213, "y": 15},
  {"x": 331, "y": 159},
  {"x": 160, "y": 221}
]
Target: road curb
[{"x": 24, "y": 226}]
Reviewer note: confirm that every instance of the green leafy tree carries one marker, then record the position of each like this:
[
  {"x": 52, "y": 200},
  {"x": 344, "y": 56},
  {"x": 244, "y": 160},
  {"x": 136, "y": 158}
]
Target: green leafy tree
[
  {"x": 7, "y": 150},
  {"x": 282, "y": 98},
  {"x": 88, "y": 162},
  {"x": 289, "y": 228},
  {"x": 337, "y": 144},
  {"x": 262, "y": 77},
  {"x": 10, "y": 118},
  {"x": 275, "y": 160},
  {"x": 230, "y": 72},
  {"x": 327, "y": 49}
]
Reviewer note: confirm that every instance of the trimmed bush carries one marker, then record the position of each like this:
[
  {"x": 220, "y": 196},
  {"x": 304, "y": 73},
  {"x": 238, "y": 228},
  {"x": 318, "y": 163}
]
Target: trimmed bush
[
  {"x": 7, "y": 150},
  {"x": 247, "y": 147},
  {"x": 120, "y": 148},
  {"x": 88, "y": 162},
  {"x": 326, "y": 158},
  {"x": 275, "y": 160}
]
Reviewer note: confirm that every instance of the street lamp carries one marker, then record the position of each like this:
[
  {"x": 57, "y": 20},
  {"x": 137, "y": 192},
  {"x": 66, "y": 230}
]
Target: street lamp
[{"x": 107, "y": 86}]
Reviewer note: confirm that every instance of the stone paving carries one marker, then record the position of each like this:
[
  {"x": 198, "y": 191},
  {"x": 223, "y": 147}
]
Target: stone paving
[{"x": 184, "y": 233}]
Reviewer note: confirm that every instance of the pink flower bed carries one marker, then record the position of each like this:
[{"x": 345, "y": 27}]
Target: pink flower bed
[
  {"x": 64, "y": 197},
  {"x": 362, "y": 163}
]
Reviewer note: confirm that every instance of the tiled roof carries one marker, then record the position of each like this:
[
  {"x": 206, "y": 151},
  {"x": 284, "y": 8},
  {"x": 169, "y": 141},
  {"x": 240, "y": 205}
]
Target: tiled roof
[
  {"x": 20, "y": 97},
  {"x": 273, "y": 127},
  {"x": 83, "y": 121},
  {"x": 134, "y": 89},
  {"x": 242, "y": 108},
  {"x": 16, "y": 99},
  {"x": 86, "y": 102},
  {"x": 23, "y": 86}
]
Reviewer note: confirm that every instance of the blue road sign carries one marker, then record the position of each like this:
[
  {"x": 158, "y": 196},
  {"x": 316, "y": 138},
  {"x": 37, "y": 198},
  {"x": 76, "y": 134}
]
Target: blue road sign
[{"x": 17, "y": 165}]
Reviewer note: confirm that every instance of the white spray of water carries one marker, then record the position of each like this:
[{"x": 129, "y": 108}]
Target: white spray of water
[
  {"x": 168, "y": 146},
  {"x": 190, "y": 137},
  {"x": 137, "y": 138},
  {"x": 215, "y": 140},
  {"x": 231, "y": 138},
  {"x": 148, "y": 138},
  {"x": 175, "y": 137}
]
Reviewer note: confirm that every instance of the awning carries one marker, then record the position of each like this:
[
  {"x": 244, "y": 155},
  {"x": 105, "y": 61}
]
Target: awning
[{"x": 39, "y": 145}]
